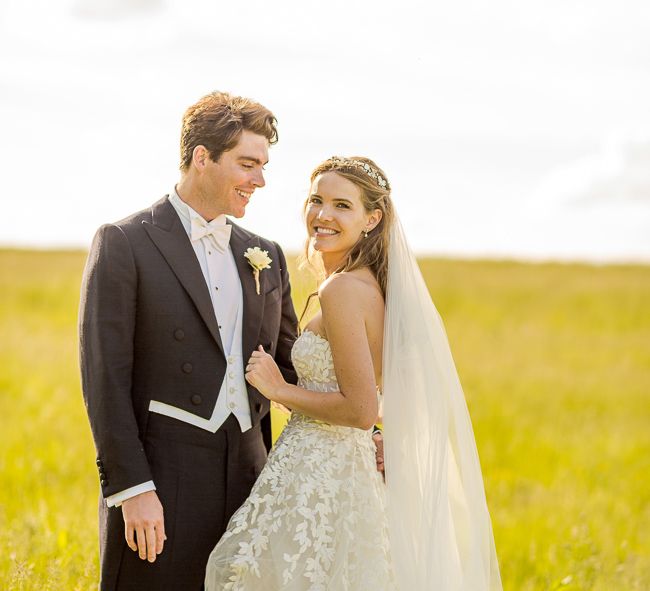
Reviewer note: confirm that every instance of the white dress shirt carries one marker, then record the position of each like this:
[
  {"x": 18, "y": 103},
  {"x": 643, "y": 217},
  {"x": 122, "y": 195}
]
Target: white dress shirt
[{"x": 221, "y": 276}]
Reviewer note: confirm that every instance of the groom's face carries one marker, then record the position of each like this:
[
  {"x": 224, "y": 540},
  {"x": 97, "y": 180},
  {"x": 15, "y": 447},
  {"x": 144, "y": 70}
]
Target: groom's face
[{"x": 230, "y": 182}]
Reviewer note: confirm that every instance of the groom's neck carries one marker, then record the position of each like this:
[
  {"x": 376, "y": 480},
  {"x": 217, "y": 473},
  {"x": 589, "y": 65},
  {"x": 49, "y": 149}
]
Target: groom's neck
[{"x": 191, "y": 193}]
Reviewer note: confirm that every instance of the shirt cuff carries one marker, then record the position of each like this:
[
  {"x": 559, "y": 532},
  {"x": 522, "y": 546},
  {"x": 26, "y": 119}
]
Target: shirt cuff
[{"x": 118, "y": 498}]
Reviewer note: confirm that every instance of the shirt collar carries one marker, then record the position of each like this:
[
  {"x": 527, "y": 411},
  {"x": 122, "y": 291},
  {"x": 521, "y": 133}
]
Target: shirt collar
[{"x": 187, "y": 214}]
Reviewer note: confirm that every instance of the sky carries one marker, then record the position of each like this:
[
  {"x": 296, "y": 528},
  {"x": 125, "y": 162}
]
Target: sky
[{"x": 507, "y": 129}]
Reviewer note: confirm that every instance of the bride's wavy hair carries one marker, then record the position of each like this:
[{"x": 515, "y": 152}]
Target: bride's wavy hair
[{"x": 370, "y": 251}]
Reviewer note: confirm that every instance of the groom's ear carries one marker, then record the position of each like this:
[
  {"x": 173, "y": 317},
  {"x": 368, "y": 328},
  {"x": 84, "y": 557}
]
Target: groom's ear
[{"x": 200, "y": 157}]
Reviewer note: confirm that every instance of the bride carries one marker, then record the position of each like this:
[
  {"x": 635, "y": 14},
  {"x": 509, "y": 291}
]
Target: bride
[{"x": 320, "y": 516}]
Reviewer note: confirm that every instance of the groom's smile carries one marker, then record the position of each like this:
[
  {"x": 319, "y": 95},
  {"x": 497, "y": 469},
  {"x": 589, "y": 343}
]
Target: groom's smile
[
  {"x": 231, "y": 181},
  {"x": 245, "y": 197}
]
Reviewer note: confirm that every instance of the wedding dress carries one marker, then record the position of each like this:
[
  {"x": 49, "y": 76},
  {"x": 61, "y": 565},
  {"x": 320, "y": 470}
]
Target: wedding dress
[
  {"x": 319, "y": 516},
  {"x": 316, "y": 517}
]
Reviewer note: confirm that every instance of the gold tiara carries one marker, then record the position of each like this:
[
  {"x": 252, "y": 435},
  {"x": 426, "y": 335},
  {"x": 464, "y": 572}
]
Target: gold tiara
[{"x": 371, "y": 171}]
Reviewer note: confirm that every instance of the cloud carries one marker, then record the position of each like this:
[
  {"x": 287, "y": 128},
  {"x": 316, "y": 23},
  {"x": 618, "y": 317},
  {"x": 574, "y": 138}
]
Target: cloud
[
  {"x": 115, "y": 9},
  {"x": 628, "y": 177},
  {"x": 617, "y": 173}
]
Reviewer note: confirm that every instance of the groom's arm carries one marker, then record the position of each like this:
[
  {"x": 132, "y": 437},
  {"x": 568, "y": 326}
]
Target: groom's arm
[
  {"x": 106, "y": 330},
  {"x": 107, "y": 325},
  {"x": 288, "y": 324}
]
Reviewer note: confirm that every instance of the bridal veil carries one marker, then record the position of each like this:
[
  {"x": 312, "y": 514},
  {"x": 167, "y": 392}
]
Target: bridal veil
[{"x": 440, "y": 530}]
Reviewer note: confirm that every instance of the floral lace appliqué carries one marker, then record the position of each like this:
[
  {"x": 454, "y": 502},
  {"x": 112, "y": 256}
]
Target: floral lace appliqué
[{"x": 315, "y": 519}]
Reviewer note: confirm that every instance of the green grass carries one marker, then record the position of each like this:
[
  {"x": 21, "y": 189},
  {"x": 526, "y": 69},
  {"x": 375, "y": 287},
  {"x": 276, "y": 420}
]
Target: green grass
[{"x": 555, "y": 361}]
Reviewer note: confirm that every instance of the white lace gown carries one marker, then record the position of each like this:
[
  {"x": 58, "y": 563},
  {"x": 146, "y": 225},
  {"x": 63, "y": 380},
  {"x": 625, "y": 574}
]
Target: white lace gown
[{"x": 315, "y": 519}]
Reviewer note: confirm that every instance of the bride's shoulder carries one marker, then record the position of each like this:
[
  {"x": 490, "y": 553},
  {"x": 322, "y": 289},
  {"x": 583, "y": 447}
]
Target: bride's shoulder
[{"x": 355, "y": 288}]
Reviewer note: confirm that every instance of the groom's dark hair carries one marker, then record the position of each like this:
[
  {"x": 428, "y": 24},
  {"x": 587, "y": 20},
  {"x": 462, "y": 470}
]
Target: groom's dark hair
[{"x": 217, "y": 120}]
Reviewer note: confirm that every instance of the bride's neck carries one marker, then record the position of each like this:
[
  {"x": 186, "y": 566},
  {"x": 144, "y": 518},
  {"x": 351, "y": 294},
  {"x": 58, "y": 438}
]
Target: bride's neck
[{"x": 331, "y": 262}]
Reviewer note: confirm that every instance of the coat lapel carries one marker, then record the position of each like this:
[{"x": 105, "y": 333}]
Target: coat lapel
[
  {"x": 253, "y": 303},
  {"x": 167, "y": 233}
]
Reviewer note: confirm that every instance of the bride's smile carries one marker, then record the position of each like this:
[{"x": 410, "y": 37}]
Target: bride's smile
[{"x": 335, "y": 216}]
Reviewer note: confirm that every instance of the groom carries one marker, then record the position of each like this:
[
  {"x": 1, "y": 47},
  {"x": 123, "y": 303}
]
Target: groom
[{"x": 171, "y": 310}]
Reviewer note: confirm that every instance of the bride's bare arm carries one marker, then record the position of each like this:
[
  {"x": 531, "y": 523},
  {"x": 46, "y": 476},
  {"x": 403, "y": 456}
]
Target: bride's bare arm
[{"x": 347, "y": 304}]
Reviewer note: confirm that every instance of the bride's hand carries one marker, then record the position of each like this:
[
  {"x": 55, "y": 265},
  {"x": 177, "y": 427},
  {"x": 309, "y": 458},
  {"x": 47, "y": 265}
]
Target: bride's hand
[
  {"x": 281, "y": 407},
  {"x": 263, "y": 374}
]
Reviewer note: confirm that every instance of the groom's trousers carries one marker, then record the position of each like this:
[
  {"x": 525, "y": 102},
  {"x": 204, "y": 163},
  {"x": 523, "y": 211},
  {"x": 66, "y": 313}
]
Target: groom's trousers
[{"x": 201, "y": 479}]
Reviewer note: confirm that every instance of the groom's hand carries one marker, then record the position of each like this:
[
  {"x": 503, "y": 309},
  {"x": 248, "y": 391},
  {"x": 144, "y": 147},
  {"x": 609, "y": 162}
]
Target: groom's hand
[
  {"x": 378, "y": 438},
  {"x": 144, "y": 526}
]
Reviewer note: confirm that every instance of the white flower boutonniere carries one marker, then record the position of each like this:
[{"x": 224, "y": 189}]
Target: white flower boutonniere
[{"x": 259, "y": 260}]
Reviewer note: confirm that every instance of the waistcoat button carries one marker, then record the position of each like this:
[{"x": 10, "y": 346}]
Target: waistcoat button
[
  {"x": 187, "y": 367},
  {"x": 179, "y": 334},
  {"x": 196, "y": 399}
]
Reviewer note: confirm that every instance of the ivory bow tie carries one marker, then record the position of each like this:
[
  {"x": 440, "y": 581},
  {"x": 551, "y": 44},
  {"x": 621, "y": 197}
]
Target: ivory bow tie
[{"x": 219, "y": 235}]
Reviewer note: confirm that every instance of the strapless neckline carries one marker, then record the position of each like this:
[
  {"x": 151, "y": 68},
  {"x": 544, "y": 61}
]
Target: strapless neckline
[
  {"x": 318, "y": 336},
  {"x": 326, "y": 357}
]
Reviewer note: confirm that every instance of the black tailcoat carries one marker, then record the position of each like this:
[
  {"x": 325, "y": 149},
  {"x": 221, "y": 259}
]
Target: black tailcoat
[{"x": 148, "y": 331}]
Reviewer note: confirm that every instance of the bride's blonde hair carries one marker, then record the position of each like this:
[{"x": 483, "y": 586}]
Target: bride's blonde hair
[{"x": 370, "y": 251}]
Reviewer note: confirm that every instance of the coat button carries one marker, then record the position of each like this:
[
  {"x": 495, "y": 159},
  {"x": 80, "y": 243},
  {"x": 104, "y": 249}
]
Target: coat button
[
  {"x": 187, "y": 367},
  {"x": 196, "y": 399},
  {"x": 102, "y": 475},
  {"x": 103, "y": 482},
  {"x": 179, "y": 334},
  {"x": 98, "y": 462}
]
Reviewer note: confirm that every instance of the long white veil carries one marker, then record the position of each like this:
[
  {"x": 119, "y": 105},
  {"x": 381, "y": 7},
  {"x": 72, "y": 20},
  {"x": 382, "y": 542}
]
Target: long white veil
[{"x": 440, "y": 531}]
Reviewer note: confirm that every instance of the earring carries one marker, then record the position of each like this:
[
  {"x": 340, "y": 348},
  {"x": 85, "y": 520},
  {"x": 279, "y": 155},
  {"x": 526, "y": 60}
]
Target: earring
[{"x": 365, "y": 233}]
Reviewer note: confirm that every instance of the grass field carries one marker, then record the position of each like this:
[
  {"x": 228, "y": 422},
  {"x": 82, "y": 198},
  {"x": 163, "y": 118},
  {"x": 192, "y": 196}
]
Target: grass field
[{"x": 555, "y": 360}]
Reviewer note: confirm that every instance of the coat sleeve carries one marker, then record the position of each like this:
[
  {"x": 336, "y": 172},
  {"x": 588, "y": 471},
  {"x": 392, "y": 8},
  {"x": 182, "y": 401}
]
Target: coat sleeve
[
  {"x": 106, "y": 330},
  {"x": 288, "y": 325}
]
